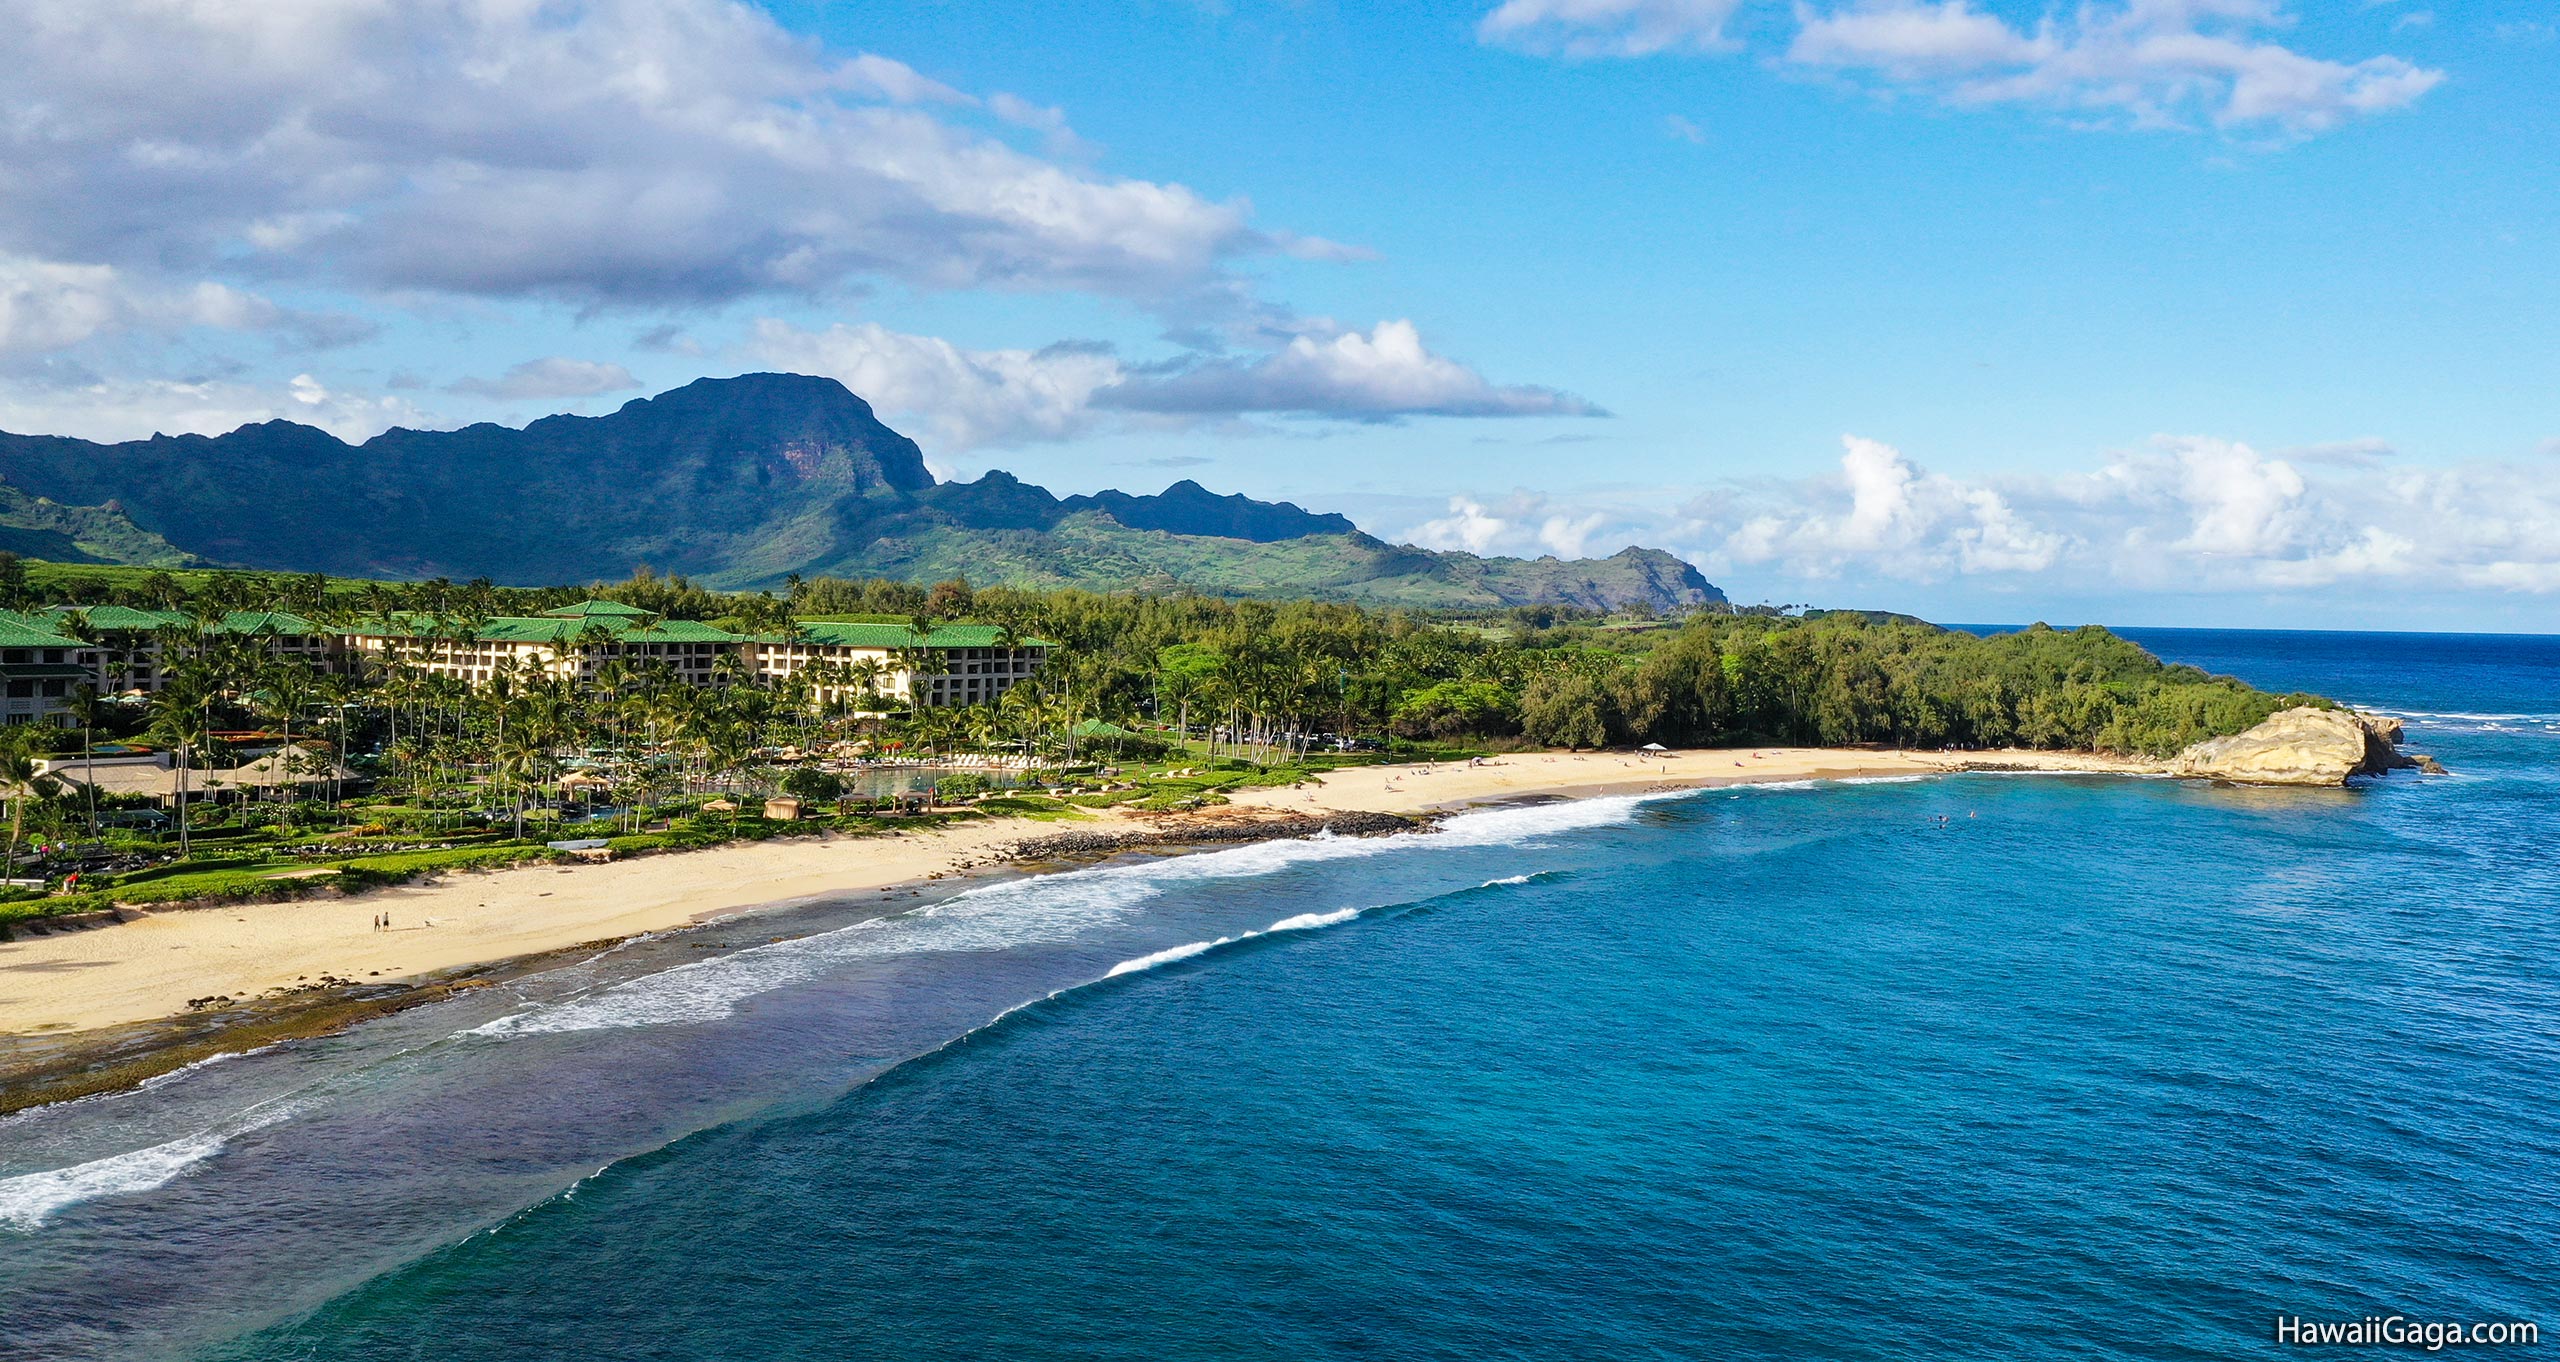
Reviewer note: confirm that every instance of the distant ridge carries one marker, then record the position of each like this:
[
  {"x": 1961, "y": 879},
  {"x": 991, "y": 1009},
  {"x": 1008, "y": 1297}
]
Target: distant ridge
[{"x": 739, "y": 482}]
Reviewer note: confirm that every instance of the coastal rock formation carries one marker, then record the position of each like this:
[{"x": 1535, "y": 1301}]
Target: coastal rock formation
[
  {"x": 2303, "y": 746},
  {"x": 1207, "y": 831}
]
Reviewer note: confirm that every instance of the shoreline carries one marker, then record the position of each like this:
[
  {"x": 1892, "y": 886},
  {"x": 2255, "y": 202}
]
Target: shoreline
[{"x": 99, "y": 1008}]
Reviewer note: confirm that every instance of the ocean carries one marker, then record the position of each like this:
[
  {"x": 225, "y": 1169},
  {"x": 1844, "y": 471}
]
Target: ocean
[{"x": 1991, "y": 1066}]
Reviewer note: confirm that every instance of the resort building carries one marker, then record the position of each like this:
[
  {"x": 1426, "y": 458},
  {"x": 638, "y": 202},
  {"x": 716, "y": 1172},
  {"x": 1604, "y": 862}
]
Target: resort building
[
  {"x": 132, "y": 644},
  {"x": 572, "y": 642},
  {"x": 852, "y": 660},
  {"x": 40, "y": 672},
  {"x": 845, "y": 660}
]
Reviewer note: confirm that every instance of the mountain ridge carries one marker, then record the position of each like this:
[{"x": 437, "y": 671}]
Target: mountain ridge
[{"x": 742, "y": 482}]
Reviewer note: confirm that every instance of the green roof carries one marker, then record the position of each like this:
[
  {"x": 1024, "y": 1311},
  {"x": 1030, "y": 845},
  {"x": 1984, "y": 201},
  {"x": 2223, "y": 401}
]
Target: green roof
[
  {"x": 599, "y": 609},
  {"x": 121, "y": 618},
  {"x": 126, "y": 619},
  {"x": 864, "y": 634},
  {"x": 266, "y": 622},
  {"x": 549, "y": 629},
  {"x": 17, "y": 631}
]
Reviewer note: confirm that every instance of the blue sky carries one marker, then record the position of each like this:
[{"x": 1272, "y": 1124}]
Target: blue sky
[{"x": 2151, "y": 311}]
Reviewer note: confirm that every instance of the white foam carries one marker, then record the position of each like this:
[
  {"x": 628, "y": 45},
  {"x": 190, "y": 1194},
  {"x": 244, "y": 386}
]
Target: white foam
[
  {"x": 1884, "y": 780},
  {"x": 1303, "y": 922},
  {"x": 174, "y": 1075},
  {"x": 28, "y": 1200},
  {"x": 2475, "y": 718},
  {"x": 1308, "y": 922},
  {"x": 1507, "y": 879},
  {"x": 1043, "y": 909},
  {"x": 1167, "y": 956}
]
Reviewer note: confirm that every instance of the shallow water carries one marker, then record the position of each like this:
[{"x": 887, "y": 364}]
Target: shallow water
[{"x": 2091, "y": 1067}]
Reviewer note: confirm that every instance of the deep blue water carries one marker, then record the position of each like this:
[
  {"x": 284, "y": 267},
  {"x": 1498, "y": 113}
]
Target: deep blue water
[{"x": 2092, "y": 1068}]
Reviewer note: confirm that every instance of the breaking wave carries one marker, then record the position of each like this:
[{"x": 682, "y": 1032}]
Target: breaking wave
[
  {"x": 30, "y": 1199},
  {"x": 1303, "y": 922},
  {"x": 1046, "y": 909}
]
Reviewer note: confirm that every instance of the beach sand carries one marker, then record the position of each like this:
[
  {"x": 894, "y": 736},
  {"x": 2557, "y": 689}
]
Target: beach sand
[
  {"x": 151, "y": 967},
  {"x": 67, "y": 982}
]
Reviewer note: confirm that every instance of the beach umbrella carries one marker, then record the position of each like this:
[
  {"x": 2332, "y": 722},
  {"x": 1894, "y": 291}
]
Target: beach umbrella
[{"x": 1653, "y": 747}]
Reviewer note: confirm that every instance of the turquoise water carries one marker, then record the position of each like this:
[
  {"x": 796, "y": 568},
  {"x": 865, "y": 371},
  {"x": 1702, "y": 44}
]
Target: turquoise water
[{"x": 2088, "y": 1068}]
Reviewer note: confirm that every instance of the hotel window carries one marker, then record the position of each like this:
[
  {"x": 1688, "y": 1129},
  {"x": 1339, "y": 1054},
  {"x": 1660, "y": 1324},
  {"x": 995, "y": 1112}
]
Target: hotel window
[{"x": 22, "y": 690}]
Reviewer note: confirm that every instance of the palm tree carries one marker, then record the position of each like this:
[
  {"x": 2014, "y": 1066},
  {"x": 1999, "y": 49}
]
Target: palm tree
[
  {"x": 19, "y": 772},
  {"x": 515, "y": 762},
  {"x": 88, "y": 707},
  {"x": 182, "y": 716},
  {"x": 288, "y": 689}
]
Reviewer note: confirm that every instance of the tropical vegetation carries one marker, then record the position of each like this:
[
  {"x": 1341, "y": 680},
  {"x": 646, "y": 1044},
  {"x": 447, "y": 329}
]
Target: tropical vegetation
[{"x": 1158, "y": 700}]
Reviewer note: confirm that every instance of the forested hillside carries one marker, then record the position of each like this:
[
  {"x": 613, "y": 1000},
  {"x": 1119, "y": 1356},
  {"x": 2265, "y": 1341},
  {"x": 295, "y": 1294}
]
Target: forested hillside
[{"x": 743, "y": 482}]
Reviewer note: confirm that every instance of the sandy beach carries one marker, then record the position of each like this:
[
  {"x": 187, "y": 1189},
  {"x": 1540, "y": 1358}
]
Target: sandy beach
[{"x": 67, "y": 982}]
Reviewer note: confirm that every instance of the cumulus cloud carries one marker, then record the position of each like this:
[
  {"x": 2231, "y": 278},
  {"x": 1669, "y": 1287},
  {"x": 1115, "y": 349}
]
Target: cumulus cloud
[
  {"x": 604, "y": 152},
  {"x": 550, "y": 377},
  {"x": 1608, "y": 28},
  {"x": 2148, "y": 63},
  {"x": 963, "y": 398},
  {"x": 1922, "y": 523},
  {"x": 2180, "y": 514},
  {"x": 1523, "y": 524},
  {"x": 971, "y": 398},
  {"x": 130, "y": 408},
  {"x": 47, "y": 306}
]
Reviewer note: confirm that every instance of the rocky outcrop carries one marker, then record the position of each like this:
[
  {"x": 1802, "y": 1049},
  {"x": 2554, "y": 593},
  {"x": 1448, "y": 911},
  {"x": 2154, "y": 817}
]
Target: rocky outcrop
[{"x": 2303, "y": 746}]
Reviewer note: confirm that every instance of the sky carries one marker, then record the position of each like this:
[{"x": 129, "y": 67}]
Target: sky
[{"x": 2150, "y": 312}]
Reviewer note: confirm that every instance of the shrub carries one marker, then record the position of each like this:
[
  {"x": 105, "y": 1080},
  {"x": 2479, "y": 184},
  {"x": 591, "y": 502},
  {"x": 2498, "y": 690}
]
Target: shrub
[{"x": 813, "y": 786}]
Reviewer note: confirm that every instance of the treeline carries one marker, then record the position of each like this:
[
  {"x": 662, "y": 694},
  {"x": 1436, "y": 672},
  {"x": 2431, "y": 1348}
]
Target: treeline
[
  {"x": 1539, "y": 676},
  {"x": 1836, "y": 679}
]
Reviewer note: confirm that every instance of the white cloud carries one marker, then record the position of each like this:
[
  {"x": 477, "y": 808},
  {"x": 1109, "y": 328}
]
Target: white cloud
[
  {"x": 550, "y": 377},
  {"x": 2147, "y": 63},
  {"x": 1913, "y": 40},
  {"x": 963, "y": 398},
  {"x": 600, "y": 151},
  {"x": 971, "y": 398},
  {"x": 1048, "y": 120},
  {"x": 1608, "y": 28},
  {"x": 1521, "y": 525},
  {"x": 2180, "y": 515},
  {"x": 2243, "y": 503},
  {"x": 131, "y": 409},
  {"x": 2142, "y": 63},
  {"x": 1383, "y": 372},
  {"x": 50, "y": 305},
  {"x": 1923, "y": 525}
]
